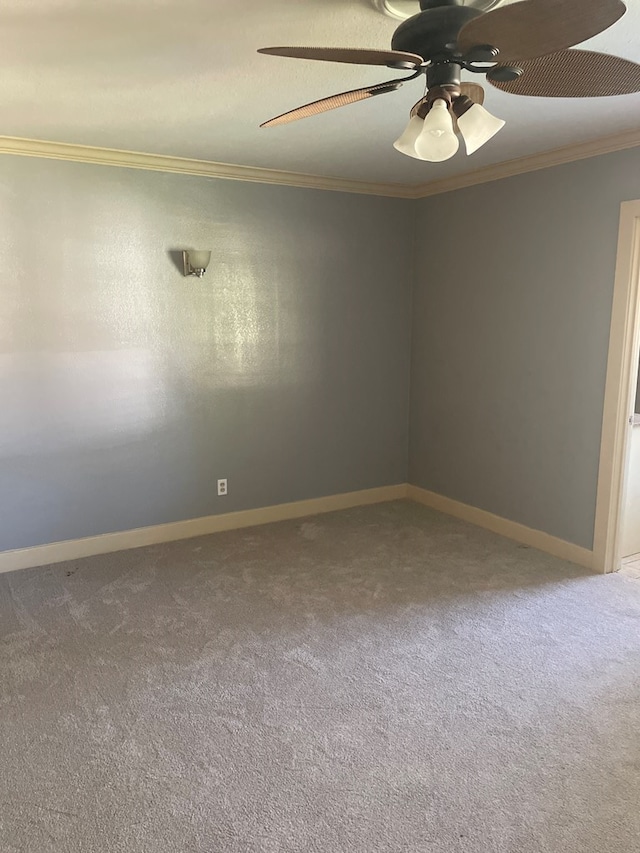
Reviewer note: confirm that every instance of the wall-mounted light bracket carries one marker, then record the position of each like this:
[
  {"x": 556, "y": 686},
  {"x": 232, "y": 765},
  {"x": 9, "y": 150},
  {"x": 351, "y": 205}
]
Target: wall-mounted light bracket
[{"x": 195, "y": 262}]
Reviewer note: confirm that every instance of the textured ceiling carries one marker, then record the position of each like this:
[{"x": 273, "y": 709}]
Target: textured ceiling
[{"x": 182, "y": 77}]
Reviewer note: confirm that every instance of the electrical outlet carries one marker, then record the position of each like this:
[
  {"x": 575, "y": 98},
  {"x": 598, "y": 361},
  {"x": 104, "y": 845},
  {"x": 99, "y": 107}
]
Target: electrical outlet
[{"x": 222, "y": 487}]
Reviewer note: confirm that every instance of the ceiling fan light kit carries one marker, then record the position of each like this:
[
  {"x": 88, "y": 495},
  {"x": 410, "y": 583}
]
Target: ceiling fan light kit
[
  {"x": 406, "y": 142},
  {"x": 437, "y": 141},
  {"x": 525, "y": 48},
  {"x": 436, "y": 133},
  {"x": 476, "y": 125}
]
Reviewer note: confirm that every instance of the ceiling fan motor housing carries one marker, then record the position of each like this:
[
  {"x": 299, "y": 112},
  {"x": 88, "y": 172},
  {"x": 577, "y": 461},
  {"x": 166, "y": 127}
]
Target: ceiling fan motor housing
[{"x": 433, "y": 33}]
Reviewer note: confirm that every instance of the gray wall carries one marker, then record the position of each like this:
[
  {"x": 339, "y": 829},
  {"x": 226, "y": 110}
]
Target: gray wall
[
  {"x": 512, "y": 305},
  {"x": 126, "y": 390}
]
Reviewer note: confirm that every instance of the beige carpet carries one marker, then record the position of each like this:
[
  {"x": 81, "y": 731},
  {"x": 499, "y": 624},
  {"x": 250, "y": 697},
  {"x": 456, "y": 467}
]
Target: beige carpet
[{"x": 381, "y": 679}]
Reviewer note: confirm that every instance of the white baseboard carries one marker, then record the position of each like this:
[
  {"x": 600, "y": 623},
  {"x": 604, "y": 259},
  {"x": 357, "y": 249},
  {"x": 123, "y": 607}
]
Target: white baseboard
[
  {"x": 509, "y": 529},
  {"x": 74, "y": 549}
]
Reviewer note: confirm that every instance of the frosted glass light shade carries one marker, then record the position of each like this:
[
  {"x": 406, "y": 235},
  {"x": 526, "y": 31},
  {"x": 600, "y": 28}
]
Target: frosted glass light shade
[
  {"x": 195, "y": 262},
  {"x": 406, "y": 143},
  {"x": 199, "y": 260},
  {"x": 437, "y": 141},
  {"x": 478, "y": 126}
]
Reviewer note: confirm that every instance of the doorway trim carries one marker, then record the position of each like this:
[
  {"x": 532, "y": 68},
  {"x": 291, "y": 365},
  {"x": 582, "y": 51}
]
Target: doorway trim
[{"x": 622, "y": 366}]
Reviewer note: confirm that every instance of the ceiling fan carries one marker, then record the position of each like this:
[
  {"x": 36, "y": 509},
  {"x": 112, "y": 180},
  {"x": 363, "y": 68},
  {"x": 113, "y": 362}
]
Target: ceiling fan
[{"x": 521, "y": 49}]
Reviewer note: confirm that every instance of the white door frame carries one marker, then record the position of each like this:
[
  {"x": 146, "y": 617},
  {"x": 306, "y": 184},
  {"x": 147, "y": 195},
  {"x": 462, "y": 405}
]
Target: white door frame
[{"x": 622, "y": 367}]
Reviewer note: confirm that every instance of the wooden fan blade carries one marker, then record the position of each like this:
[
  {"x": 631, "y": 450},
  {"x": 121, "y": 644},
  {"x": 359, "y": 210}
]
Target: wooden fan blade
[
  {"x": 473, "y": 91},
  {"x": 534, "y": 28},
  {"x": 332, "y": 103},
  {"x": 574, "y": 74},
  {"x": 354, "y": 56}
]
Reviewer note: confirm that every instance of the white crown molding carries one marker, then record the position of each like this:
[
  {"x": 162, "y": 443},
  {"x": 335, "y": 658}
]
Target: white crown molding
[
  {"x": 531, "y": 163},
  {"x": 228, "y": 171},
  {"x": 185, "y": 166}
]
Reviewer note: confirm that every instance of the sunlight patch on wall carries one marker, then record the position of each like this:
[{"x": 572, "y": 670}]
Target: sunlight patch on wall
[{"x": 246, "y": 323}]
